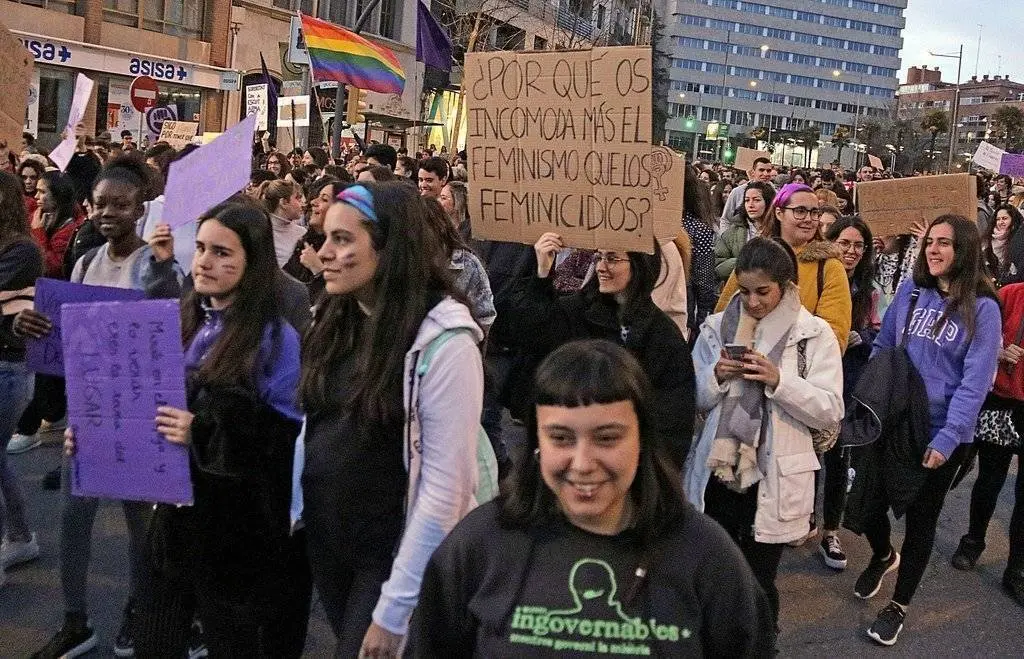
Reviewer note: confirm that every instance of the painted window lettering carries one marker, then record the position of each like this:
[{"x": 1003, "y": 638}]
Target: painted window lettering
[{"x": 46, "y": 51}]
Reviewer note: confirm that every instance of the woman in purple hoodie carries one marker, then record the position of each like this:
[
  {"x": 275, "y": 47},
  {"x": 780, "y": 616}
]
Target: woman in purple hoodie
[{"x": 953, "y": 340}]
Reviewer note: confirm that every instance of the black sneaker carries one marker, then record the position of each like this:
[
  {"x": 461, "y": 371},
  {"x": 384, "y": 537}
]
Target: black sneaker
[
  {"x": 196, "y": 642},
  {"x": 967, "y": 552},
  {"x": 124, "y": 646},
  {"x": 870, "y": 580},
  {"x": 75, "y": 638},
  {"x": 888, "y": 625},
  {"x": 832, "y": 552}
]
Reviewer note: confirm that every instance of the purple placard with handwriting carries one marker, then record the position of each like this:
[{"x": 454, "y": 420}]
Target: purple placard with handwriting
[
  {"x": 209, "y": 175},
  {"x": 122, "y": 360},
  {"x": 46, "y": 355},
  {"x": 1012, "y": 164}
]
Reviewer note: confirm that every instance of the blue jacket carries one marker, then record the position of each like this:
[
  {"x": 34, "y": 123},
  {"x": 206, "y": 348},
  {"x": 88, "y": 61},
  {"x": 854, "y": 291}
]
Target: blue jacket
[{"x": 957, "y": 373}]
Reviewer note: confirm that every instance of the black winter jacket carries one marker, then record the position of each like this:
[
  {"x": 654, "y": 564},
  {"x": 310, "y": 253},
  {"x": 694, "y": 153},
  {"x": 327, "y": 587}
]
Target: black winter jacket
[
  {"x": 543, "y": 321},
  {"x": 237, "y": 534},
  {"x": 890, "y": 402}
]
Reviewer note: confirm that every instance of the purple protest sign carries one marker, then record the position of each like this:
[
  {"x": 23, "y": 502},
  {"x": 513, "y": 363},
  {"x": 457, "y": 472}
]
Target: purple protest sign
[
  {"x": 45, "y": 355},
  {"x": 121, "y": 361},
  {"x": 1012, "y": 164},
  {"x": 209, "y": 175}
]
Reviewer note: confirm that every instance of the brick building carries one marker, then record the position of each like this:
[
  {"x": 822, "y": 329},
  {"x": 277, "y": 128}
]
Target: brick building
[{"x": 925, "y": 91}]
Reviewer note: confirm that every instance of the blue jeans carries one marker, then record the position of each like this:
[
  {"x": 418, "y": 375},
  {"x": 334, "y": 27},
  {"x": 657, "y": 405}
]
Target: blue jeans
[{"x": 16, "y": 384}]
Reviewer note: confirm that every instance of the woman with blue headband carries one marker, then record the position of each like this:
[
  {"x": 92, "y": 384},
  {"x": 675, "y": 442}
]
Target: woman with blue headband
[{"x": 392, "y": 386}]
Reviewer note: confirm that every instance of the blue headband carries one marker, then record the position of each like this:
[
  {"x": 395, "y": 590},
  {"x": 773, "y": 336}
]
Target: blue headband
[{"x": 359, "y": 198}]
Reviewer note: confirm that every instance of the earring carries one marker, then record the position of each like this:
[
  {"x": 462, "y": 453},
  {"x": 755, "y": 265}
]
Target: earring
[{"x": 536, "y": 453}]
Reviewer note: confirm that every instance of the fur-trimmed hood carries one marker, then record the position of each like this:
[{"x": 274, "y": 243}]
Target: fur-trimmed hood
[{"x": 818, "y": 250}]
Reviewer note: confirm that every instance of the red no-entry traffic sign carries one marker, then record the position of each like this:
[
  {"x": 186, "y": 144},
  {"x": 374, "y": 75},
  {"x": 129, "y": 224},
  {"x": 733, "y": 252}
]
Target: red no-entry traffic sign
[{"x": 143, "y": 93}]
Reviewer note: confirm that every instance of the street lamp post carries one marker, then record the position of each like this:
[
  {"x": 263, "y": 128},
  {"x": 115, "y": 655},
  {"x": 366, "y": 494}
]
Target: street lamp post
[
  {"x": 721, "y": 105},
  {"x": 956, "y": 104},
  {"x": 856, "y": 117}
]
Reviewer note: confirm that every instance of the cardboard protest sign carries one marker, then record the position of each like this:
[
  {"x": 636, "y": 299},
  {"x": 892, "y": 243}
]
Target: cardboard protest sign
[
  {"x": 15, "y": 79},
  {"x": 123, "y": 360},
  {"x": 876, "y": 162},
  {"x": 561, "y": 141},
  {"x": 178, "y": 133},
  {"x": 46, "y": 355},
  {"x": 209, "y": 175},
  {"x": 61, "y": 155},
  {"x": 988, "y": 157},
  {"x": 1012, "y": 164},
  {"x": 745, "y": 158},
  {"x": 891, "y": 206},
  {"x": 292, "y": 111}
]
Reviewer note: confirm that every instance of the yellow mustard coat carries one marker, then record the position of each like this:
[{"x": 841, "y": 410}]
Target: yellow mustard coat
[{"x": 834, "y": 306}]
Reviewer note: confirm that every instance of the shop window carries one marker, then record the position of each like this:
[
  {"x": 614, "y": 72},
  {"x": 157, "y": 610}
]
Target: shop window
[
  {"x": 182, "y": 18},
  {"x": 63, "y": 6}
]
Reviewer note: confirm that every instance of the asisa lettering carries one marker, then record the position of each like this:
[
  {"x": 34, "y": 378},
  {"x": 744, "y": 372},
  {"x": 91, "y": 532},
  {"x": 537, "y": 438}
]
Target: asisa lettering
[
  {"x": 46, "y": 51},
  {"x": 159, "y": 70}
]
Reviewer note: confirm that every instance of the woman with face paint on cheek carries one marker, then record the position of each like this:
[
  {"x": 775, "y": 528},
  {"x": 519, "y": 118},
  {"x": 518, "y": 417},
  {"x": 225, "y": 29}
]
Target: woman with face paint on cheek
[
  {"x": 230, "y": 557},
  {"x": 752, "y": 469},
  {"x": 593, "y": 531},
  {"x": 123, "y": 261},
  {"x": 388, "y": 429}
]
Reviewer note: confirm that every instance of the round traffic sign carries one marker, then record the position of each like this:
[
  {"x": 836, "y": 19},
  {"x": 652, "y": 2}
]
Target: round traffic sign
[{"x": 143, "y": 93}]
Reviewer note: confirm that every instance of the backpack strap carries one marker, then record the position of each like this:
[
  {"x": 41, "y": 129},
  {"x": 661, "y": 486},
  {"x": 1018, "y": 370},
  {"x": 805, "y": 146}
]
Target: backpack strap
[
  {"x": 821, "y": 286},
  {"x": 427, "y": 356},
  {"x": 916, "y": 293}
]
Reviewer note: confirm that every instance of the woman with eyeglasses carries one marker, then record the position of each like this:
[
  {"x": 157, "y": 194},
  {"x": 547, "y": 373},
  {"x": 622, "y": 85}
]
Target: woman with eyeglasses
[
  {"x": 615, "y": 305},
  {"x": 853, "y": 238},
  {"x": 824, "y": 287}
]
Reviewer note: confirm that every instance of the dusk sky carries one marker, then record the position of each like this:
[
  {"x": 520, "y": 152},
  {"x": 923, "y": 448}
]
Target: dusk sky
[{"x": 942, "y": 25}]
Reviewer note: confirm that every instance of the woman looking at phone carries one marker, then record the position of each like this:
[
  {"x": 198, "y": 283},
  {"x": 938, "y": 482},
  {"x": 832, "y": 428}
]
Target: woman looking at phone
[{"x": 768, "y": 372}]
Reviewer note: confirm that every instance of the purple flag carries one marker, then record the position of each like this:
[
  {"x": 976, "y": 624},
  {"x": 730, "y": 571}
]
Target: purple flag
[
  {"x": 46, "y": 355},
  {"x": 123, "y": 360},
  {"x": 433, "y": 46},
  {"x": 271, "y": 96}
]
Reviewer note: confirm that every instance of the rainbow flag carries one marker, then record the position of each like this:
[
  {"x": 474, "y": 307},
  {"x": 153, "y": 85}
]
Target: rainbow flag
[{"x": 349, "y": 59}]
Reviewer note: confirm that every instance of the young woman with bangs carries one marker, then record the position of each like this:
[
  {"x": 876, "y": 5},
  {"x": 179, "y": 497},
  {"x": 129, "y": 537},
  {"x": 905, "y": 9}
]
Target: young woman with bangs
[{"x": 593, "y": 546}]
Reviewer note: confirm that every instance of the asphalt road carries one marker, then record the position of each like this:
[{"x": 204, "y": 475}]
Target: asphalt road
[{"x": 955, "y": 614}]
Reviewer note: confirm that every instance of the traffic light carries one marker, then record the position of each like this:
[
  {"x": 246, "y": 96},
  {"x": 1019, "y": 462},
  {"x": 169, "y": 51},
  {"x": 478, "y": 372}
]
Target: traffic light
[
  {"x": 690, "y": 123},
  {"x": 728, "y": 154},
  {"x": 355, "y": 106}
]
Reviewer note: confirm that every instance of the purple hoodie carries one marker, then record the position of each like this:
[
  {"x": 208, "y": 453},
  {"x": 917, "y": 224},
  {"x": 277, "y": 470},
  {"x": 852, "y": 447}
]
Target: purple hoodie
[{"x": 957, "y": 374}]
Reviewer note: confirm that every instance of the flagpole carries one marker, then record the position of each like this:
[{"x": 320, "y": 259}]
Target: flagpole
[{"x": 339, "y": 98}]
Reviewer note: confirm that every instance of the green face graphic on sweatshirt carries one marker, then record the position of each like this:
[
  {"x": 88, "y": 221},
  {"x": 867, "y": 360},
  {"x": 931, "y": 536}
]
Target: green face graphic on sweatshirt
[{"x": 595, "y": 623}]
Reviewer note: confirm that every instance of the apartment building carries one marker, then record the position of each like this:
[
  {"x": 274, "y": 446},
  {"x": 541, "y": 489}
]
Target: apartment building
[
  {"x": 924, "y": 92},
  {"x": 781, "y": 65}
]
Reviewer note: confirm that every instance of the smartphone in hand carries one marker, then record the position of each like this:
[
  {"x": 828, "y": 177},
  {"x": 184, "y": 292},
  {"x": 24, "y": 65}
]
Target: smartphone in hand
[{"x": 736, "y": 350}]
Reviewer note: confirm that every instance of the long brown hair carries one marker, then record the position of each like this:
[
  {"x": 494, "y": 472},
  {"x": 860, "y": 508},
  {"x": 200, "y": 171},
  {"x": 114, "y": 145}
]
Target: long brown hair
[
  {"x": 232, "y": 359},
  {"x": 409, "y": 280},
  {"x": 967, "y": 278},
  {"x": 13, "y": 221}
]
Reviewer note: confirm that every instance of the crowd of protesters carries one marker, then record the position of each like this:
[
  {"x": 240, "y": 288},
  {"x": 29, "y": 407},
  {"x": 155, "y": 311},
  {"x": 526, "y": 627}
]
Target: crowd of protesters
[{"x": 352, "y": 350}]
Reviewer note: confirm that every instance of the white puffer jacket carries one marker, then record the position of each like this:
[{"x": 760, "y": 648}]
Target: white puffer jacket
[{"x": 786, "y": 495}]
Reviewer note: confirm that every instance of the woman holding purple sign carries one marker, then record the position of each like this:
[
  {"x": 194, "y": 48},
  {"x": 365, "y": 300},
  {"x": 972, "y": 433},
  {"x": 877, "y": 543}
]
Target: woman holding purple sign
[
  {"x": 230, "y": 557},
  {"x": 20, "y": 264}
]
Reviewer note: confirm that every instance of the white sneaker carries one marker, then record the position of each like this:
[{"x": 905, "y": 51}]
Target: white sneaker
[
  {"x": 20, "y": 443},
  {"x": 15, "y": 553}
]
